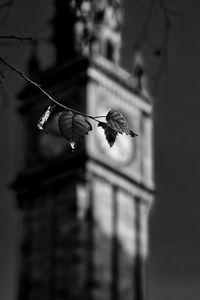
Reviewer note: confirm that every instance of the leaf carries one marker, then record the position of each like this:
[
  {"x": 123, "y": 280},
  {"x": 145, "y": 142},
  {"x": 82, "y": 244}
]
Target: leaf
[
  {"x": 73, "y": 127},
  {"x": 42, "y": 123},
  {"x": 133, "y": 134},
  {"x": 110, "y": 133},
  {"x": 117, "y": 122}
]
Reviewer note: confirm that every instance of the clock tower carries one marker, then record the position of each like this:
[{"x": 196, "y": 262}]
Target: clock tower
[{"x": 85, "y": 213}]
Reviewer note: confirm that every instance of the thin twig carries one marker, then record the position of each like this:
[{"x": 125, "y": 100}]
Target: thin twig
[
  {"x": 163, "y": 65},
  {"x": 2, "y": 75},
  {"x": 144, "y": 34},
  {"x": 6, "y": 4},
  {"x": 13, "y": 37},
  {"x": 44, "y": 92},
  {"x": 160, "y": 49}
]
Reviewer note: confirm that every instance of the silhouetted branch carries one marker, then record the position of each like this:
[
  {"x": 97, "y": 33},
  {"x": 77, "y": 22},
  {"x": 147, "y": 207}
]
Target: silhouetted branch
[
  {"x": 164, "y": 48},
  {"x": 44, "y": 92},
  {"x": 13, "y": 37},
  {"x": 7, "y": 5},
  {"x": 73, "y": 127},
  {"x": 2, "y": 77},
  {"x": 144, "y": 36},
  {"x": 161, "y": 49}
]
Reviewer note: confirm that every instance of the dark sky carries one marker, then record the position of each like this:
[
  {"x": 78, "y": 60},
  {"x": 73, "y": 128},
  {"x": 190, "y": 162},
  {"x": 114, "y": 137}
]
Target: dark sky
[{"x": 174, "y": 263}]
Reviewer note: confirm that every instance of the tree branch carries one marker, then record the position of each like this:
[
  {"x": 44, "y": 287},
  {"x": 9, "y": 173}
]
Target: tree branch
[
  {"x": 144, "y": 36},
  {"x": 6, "y": 5},
  {"x": 45, "y": 93},
  {"x": 164, "y": 49},
  {"x": 160, "y": 49},
  {"x": 14, "y": 37}
]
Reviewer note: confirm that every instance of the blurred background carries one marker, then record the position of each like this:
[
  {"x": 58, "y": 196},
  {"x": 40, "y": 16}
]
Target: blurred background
[{"x": 173, "y": 264}]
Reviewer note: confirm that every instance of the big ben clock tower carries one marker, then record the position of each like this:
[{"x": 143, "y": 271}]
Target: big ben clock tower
[{"x": 85, "y": 213}]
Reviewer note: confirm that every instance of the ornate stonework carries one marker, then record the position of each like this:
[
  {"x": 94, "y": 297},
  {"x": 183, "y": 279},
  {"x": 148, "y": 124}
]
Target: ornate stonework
[{"x": 98, "y": 28}]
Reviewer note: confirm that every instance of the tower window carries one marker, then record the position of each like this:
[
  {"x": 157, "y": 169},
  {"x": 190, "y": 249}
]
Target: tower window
[{"x": 109, "y": 51}]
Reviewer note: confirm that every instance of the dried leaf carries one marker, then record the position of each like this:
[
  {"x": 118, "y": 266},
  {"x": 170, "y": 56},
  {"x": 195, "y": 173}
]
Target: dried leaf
[
  {"x": 110, "y": 133},
  {"x": 42, "y": 123},
  {"x": 117, "y": 122},
  {"x": 73, "y": 127}
]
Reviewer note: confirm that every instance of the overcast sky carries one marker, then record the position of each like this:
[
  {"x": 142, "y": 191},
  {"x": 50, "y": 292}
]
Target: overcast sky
[{"x": 174, "y": 264}]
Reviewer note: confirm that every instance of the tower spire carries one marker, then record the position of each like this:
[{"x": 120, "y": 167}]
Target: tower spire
[{"x": 88, "y": 28}]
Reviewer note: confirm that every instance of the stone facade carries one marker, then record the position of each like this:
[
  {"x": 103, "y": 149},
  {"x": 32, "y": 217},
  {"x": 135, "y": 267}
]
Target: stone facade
[{"x": 85, "y": 214}]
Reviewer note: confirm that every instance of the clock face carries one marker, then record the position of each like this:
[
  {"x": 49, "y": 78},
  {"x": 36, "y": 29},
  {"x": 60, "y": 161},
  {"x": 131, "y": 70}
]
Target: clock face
[
  {"x": 126, "y": 155},
  {"x": 121, "y": 152}
]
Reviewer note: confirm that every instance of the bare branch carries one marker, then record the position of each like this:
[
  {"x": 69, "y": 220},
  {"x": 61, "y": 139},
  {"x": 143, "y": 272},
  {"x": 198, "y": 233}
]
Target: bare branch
[
  {"x": 160, "y": 49},
  {"x": 43, "y": 91},
  {"x": 6, "y": 5},
  {"x": 164, "y": 60},
  {"x": 2, "y": 77},
  {"x": 13, "y": 37},
  {"x": 145, "y": 27}
]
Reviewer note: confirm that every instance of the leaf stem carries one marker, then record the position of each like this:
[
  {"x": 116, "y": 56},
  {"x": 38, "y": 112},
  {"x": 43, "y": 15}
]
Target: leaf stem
[{"x": 97, "y": 117}]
